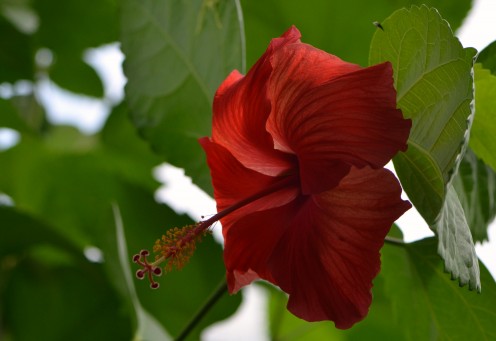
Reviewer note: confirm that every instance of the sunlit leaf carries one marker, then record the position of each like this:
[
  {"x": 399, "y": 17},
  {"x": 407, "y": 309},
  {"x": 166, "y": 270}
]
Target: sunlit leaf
[
  {"x": 433, "y": 78},
  {"x": 177, "y": 54},
  {"x": 475, "y": 185},
  {"x": 482, "y": 139},
  {"x": 427, "y": 305}
]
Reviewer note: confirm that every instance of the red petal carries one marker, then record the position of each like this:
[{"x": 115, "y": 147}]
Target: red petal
[
  {"x": 322, "y": 250},
  {"x": 348, "y": 119},
  {"x": 241, "y": 108},
  {"x": 233, "y": 182}
]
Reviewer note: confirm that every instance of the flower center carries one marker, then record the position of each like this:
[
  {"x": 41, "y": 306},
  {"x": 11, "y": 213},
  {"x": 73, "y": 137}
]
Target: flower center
[{"x": 177, "y": 245}]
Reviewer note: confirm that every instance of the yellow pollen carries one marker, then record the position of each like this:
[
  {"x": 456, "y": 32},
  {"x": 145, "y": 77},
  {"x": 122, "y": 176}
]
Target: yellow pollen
[{"x": 177, "y": 246}]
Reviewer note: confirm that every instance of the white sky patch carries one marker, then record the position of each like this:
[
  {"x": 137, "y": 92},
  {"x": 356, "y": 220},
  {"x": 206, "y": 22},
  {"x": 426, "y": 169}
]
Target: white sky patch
[
  {"x": 8, "y": 138},
  {"x": 479, "y": 28},
  {"x": 64, "y": 107},
  {"x": 86, "y": 113},
  {"x": 180, "y": 194},
  {"x": 107, "y": 61},
  {"x": 248, "y": 323}
]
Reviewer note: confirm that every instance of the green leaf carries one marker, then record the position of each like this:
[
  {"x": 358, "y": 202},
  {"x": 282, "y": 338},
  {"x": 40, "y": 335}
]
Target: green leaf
[
  {"x": 427, "y": 305},
  {"x": 70, "y": 27},
  {"x": 148, "y": 328},
  {"x": 20, "y": 231},
  {"x": 72, "y": 303},
  {"x": 16, "y": 55},
  {"x": 487, "y": 57},
  {"x": 73, "y": 74},
  {"x": 9, "y": 117},
  {"x": 482, "y": 139},
  {"x": 177, "y": 54},
  {"x": 128, "y": 154},
  {"x": 455, "y": 242},
  {"x": 475, "y": 184},
  {"x": 433, "y": 79},
  {"x": 31, "y": 112},
  {"x": 330, "y": 25},
  {"x": 71, "y": 294}
]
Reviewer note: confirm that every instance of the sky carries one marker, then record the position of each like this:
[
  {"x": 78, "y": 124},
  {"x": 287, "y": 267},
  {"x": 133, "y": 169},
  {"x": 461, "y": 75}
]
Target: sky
[{"x": 88, "y": 114}]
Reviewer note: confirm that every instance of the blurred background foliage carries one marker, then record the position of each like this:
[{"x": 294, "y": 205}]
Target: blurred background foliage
[{"x": 75, "y": 206}]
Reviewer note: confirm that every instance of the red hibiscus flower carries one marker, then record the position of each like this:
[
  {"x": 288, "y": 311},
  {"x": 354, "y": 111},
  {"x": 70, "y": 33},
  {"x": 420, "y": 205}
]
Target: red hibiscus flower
[
  {"x": 309, "y": 135},
  {"x": 296, "y": 156}
]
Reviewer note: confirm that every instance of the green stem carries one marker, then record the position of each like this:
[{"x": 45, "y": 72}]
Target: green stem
[
  {"x": 205, "y": 308},
  {"x": 394, "y": 241}
]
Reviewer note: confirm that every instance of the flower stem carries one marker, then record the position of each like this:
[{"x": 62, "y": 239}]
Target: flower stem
[
  {"x": 394, "y": 241},
  {"x": 205, "y": 308}
]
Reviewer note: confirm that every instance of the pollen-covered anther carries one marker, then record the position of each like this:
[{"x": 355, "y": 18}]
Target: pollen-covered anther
[
  {"x": 174, "y": 249},
  {"x": 178, "y": 245}
]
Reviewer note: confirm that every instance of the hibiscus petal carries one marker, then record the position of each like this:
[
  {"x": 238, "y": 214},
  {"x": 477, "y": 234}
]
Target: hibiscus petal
[
  {"x": 348, "y": 119},
  {"x": 241, "y": 108},
  {"x": 233, "y": 183},
  {"x": 329, "y": 255},
  {"x": 322, "y": 250}
]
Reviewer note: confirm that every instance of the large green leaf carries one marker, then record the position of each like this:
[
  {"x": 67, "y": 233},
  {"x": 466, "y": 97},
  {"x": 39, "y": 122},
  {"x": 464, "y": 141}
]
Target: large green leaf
[
  {"x": 427, "y": 305},
  {"x": 433, "y": 78},
  {"x": 177, "y": 54},
  {"x": 62, "y": 302},
  {"x": 338, "y": 27},
  {"x": 482, "y": 139},
  {"x": 73, "y": 299},
  {"x": 20, "y": 231},
  {"x": 475, "y": 185}
]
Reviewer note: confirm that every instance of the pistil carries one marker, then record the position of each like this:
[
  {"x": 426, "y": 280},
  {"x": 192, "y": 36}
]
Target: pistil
[{"x": 178, "y": 244}]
